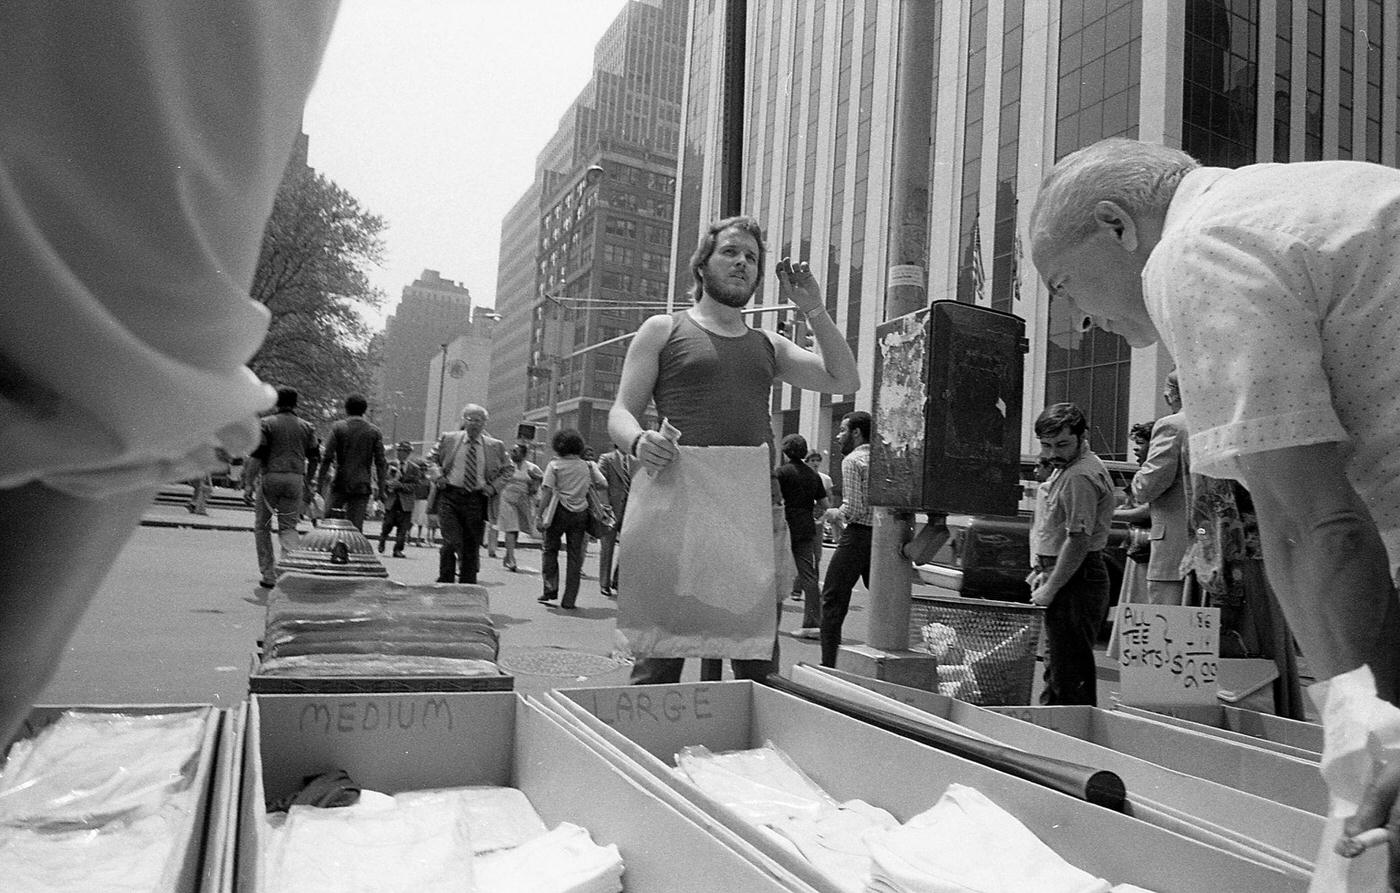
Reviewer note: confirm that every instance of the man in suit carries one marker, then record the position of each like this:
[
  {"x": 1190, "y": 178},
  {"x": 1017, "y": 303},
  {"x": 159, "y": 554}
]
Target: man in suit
[
  {"x": 1160, "y": 482},
  {"x": 403, "y": 496},
  {"x": 474, "y": 466},
  {"x": 355, "y": 448},
  {"x": 617, "y": 470}
]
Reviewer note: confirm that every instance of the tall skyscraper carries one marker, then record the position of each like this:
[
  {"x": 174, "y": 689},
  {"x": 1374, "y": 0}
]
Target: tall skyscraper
[
  {"x": 516, "y": 295},
  {"x": 1013, "y": 86},
  {"x": 600, "y": 245},
  {"x": 431, "y": 312}
]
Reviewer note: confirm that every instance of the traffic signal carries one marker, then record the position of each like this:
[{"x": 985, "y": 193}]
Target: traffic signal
[
  {"x": 525, "y": 431},
  {"x": 796, "y": 331}
]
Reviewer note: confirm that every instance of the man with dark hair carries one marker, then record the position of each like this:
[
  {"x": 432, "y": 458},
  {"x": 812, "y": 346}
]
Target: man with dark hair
[
  {"x": 355, "y": 449},
  {"x": 403, "y": 496},
  {"x": 1074, "y": 511},
  {"x": 711, "y": 376},
  {"x": 851, "y": 561},
  {"x": 276, "y": 479},
  {"x": 803, "y": 497},
  {"x": 616, "y": 467},
  {"x": 473, "y": 468},
  {"x": 1161, "y": 485}
]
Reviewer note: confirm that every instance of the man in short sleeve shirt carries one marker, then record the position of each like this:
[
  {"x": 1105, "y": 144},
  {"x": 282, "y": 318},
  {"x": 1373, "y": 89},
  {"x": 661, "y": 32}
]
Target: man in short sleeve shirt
[
  {"x": 1277, "y": 290},
  {"x": 1073, "y": 514}
]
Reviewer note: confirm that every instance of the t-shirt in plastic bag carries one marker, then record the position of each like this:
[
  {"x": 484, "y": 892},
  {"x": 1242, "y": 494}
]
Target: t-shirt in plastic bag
[{"x": 701, "y": 576}]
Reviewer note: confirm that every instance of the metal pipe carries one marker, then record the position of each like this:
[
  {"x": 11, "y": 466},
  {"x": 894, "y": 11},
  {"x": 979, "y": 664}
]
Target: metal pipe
[{"x": 891, "y": 574}]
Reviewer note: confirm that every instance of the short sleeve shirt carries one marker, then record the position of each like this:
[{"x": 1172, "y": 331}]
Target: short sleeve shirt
[
  {"x": 1276, "y": 288},
  {"x": 801, "y": 488},
  {"x": 1076, "y": 499}
]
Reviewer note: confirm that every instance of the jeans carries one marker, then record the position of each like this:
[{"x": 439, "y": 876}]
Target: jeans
[
  {"x": 1071, "y": 630},
  {"x": 571, "y": 526},
  {"x": 462, "y": 516},
  {"x": 279, "y": 493},
  {"x": 804, "y": 555},
  {"x": 850, "y": 563}
]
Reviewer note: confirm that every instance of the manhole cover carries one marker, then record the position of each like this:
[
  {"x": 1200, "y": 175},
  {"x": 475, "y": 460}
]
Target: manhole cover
[{"x": 557, "y": 662}]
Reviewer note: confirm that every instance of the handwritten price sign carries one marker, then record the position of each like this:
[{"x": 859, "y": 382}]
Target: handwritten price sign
[{"x": 1168, "y": 654}]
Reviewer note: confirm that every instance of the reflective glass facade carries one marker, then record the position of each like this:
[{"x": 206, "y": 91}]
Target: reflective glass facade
[
  {"x": 1219, "y": 95},
  {"x": 1097, "y": 97}
]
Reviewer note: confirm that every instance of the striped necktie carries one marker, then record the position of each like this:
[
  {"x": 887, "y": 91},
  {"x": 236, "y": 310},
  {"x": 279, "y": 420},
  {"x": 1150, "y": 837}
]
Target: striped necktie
[{"x": 469, "y": 465}]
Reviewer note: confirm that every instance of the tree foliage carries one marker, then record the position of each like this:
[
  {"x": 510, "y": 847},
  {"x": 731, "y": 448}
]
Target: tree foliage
[{"x": 311, "y": 275}]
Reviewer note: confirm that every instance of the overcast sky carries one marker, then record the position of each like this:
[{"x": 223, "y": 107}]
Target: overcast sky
[{"x": 432, "y": 112}]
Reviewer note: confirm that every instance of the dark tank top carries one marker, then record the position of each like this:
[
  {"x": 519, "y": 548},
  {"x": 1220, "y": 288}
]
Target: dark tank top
[{"x": 716, "y": 389}]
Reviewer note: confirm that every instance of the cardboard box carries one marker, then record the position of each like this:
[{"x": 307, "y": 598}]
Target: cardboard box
[
  {"x": 261, "y": 684},
  {"x": 199, "y": 848},
  {"x": 400, "y": 742},
  {"x": 852, "y": 759},
  {"x": 1266, "y": 773},
  {"x": 1277, "y": 733},
  {"x": 1213, "y": 813}
]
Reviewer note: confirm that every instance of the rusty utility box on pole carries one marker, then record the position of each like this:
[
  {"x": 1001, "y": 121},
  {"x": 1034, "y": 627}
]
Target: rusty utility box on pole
[{"x": 947, "y": 410}]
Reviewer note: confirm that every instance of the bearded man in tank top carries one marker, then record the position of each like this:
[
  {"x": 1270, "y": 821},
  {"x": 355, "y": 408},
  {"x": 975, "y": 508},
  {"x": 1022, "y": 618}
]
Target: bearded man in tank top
[{"x": 711, "y": 376}]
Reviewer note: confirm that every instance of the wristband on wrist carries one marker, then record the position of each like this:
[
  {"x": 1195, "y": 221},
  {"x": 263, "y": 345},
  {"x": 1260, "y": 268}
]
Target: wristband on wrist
[{"x": 635, "y": 441}]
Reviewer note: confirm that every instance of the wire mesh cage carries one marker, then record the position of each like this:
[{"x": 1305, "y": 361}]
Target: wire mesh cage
[{"x": 986, "y": 649}]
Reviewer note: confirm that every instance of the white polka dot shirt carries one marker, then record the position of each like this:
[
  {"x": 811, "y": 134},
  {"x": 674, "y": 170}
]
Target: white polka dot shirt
[{"x": 1276, "y": 288}]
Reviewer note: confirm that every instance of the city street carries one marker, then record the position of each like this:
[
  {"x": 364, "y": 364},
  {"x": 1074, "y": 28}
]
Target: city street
[{"x": 178, "y": 618}]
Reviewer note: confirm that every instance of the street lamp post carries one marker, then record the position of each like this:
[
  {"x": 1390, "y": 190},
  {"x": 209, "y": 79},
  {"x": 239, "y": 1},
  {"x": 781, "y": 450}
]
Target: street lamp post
[
  {"x": 554, "y": 363},
  {"x": 442, "y": 380}
]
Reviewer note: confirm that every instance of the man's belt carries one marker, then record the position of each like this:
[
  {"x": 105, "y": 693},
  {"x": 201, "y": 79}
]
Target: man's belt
[{"x": 453, "y": 488}]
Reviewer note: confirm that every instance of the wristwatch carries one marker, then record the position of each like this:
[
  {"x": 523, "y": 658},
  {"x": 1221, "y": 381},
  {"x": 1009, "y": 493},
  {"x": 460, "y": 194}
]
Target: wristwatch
[{"x": 635, "y": 441}]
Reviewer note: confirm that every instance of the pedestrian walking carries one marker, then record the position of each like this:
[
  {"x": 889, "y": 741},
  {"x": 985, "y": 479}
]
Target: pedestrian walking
[
  {"x": 276, "y": 479},
  {"x": 616, "y": 466},
  {"x": 473, "y": 466},
  {"x": 804, "y": 498},
  {"x": 1161, "y": 484},
  {"x": 402, "y": 497},
  {"x": 564, "y": 514},
  {"x": 517, "y": 499},
  {"x": 356, "y": 451},
  {"x": 200, "y": 488},
  {"x": 851, "y": 561}
]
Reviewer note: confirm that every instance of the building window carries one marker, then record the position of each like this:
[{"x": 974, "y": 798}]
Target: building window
[{"x": 1097, "y": 97}]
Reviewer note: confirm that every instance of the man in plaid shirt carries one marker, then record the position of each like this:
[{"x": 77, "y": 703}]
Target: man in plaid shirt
[{"x": 852, "y": 558}]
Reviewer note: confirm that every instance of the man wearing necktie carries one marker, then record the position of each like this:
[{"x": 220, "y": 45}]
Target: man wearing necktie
[{"x": 473, "y": 467}]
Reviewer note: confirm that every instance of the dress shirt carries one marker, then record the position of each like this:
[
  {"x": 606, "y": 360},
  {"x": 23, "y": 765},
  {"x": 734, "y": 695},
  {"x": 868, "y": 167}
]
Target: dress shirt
[{"x": 855, "y": 486}]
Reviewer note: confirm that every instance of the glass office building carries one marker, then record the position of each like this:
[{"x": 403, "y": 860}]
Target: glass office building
[{"x": 1016, "y": 84}]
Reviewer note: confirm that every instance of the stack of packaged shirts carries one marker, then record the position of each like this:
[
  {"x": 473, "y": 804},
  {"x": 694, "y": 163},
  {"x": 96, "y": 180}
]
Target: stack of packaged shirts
[
  {"x": 320, "y": 626},
  {"x": 454, "y": 840},
  {"x": 964, "y": 843},
  {"x": 101, "y": 801}
]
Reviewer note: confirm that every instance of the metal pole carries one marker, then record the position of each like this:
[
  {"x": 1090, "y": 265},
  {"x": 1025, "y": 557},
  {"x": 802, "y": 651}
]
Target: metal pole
[
  {"x": 442, "y": 380},
  {"x": 891, "y": 574},
  {"x": 554, "y": 363}
]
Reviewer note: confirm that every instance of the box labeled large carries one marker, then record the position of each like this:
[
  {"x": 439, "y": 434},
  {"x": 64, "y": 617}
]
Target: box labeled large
[
  {"x": 947, "y": 410},
  {"x": 1209, "y": 811},
  {"x": 401, "y": 742},
  {"x": 851, "y": 759}
]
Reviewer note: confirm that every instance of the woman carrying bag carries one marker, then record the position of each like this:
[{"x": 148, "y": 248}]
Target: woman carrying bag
[
  {"x": 517, "y": 502},
  {"x": 564, "y": 513}
]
